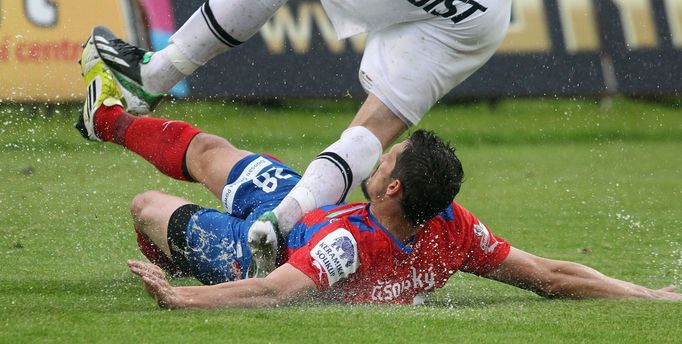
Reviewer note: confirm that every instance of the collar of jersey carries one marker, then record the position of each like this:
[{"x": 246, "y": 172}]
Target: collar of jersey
[{"x": 405, "y": 248}]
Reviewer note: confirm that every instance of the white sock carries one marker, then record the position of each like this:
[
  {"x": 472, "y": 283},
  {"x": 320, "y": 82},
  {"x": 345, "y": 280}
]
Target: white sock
[
  {"x": 166, "y": 68},
  {"x": 218, "y": 26},
  {"x": 331, "y": 176}
]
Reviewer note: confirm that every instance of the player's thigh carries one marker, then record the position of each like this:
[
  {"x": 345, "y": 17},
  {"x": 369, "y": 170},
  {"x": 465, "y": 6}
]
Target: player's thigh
[
  {"x": 210, "y": 159},
  {"x": 209, "y": 245},
  {"x": 410, "y": 66},
  {"x": 256, "y": 184},
  {"x": 152, "y": 211}
]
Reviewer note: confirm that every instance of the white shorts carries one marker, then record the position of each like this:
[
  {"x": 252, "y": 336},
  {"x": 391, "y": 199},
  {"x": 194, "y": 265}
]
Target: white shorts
[{"x": 414, "y": 57}]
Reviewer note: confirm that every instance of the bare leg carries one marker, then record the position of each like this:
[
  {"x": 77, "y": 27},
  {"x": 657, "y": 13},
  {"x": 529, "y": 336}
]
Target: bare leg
[
  {"x": 381, "y": 121},
  {"x": 175, "y": 148},
  {"x": 210, "y": 159},
  {"x": 151, "y": 212}
]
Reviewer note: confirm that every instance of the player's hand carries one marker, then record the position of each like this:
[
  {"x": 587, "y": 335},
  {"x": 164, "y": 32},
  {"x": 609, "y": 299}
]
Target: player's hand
[
  {"x": 669, "y": 293},
  {"x": 156, "y": 284}
]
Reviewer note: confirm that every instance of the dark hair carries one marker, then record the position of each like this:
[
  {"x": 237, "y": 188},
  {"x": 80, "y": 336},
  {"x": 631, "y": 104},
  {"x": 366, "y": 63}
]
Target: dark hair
[{"x": 430, "y": 174}]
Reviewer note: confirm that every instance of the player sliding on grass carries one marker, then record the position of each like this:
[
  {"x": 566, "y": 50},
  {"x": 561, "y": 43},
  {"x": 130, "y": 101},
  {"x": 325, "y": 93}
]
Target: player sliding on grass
[
  {"x": 416, "y": 52},
  {"x": 407, "y": 241}
]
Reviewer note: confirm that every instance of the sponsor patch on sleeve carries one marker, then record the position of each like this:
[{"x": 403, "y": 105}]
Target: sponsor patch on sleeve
[
  {"x": 336, "y": 256},
  {"x": 484, "y": 238}
]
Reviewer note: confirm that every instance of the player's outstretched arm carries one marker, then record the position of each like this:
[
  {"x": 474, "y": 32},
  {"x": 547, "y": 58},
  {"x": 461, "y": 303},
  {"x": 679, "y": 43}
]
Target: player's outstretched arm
[
  {"x": 561, "y": 279},
  {"x": 284, "y": 285}
]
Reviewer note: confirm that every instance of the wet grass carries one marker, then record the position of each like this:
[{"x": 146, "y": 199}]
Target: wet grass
[{"x": 559, "y": 178}]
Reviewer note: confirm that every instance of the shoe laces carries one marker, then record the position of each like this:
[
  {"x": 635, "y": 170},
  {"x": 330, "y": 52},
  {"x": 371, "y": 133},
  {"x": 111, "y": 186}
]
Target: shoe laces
[{"x": 125, "y": 49}]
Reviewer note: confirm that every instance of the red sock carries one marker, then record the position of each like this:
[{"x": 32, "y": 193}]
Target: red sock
[
  {"x": 156, "y": 256},
  {"x": 160, "y": 141},
  {"x": 106, "y": 119}
]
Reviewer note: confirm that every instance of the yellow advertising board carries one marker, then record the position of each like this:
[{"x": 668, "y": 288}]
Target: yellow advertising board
[{"x": 40, "y": 42}]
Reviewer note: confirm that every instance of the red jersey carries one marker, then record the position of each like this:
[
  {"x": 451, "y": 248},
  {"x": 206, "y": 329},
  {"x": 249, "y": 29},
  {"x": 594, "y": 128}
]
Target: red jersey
[{"x": 348, "y": 254}]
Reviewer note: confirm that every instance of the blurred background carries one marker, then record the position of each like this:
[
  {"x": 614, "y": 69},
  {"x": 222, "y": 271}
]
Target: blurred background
[
  {"x": 571, "y": 138},
  {"x": 554, "y": 48}
]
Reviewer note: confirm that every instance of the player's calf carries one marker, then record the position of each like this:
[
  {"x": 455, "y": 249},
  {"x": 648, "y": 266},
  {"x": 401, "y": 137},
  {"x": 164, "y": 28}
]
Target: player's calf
[
  {"x": 154, "y": 254},
  {"x": 164, "y": 143}
]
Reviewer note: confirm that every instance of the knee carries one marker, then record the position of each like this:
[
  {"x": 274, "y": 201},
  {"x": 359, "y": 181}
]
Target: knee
[
  {"x": 204, "y": 143},
  {"x": 203, "y": 151},
  {"x": 140, "y": 203}
]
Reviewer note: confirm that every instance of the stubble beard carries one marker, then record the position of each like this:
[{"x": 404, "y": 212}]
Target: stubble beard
[{"x": 363, "y": 187}]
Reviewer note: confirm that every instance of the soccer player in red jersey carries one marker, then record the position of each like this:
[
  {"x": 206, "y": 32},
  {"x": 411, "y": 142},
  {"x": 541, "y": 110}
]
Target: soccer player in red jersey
[
  {"x": 396, "y": 248},
  {"x": 407, "y": 241}
]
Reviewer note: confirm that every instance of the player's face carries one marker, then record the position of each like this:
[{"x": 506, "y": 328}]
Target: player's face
[{"x": 375, "y": 185}]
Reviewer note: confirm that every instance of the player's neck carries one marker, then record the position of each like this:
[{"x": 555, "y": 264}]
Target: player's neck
[{"x": 391, "y": 218}]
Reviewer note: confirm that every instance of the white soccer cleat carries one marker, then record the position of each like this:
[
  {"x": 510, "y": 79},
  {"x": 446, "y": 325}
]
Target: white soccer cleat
[
  {"x": 263, "y": 241},
  {"x": 124, "y": 61}
]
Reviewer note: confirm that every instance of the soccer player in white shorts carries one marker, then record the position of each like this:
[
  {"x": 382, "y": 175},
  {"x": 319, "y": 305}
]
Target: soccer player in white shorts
[{"x": 417, "y": 51}]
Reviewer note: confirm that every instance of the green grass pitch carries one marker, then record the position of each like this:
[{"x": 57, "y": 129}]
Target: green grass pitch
[{"x": 559, "y": 178}]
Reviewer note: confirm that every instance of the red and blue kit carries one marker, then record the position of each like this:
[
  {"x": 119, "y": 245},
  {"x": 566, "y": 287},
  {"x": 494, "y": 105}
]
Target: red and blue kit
[{"x": 351, "y": 257}]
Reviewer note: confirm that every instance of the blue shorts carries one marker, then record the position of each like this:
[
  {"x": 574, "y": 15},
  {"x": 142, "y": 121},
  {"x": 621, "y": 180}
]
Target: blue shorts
[{"x": 215, "y": 243}]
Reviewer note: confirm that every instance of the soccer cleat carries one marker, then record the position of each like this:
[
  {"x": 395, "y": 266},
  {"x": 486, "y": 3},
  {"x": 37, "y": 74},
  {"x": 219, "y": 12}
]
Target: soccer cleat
[
  {"x": 124, "y": 61},
  {"x": 263, "y": 241},
  {"x": 102, "y": 89}
]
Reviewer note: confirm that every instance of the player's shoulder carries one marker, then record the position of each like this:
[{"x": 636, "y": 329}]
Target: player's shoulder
[
  {"x": 335, "y": 255},
  {"x": 323, "y": 221},
  {"x": 456, "y": 211},
  {"x": 454, "y": 217},
  {"x": 453, "y": 212},
  {"x": 338, "y": 211},
  {"x": 353, "y": 220}
]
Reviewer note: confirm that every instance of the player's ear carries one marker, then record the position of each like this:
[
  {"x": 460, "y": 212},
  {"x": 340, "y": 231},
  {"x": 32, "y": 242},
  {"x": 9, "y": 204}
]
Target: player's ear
[{"x": 394, "y": 188}]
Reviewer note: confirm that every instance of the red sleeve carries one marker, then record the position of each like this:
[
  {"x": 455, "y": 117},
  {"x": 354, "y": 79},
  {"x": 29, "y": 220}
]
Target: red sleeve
[
  {"x": 331, "y": 255},
  {"x": 485, "y": 251}
]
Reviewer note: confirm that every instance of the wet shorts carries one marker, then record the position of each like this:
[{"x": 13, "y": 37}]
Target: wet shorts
[{"x": 212, "y": 245}]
